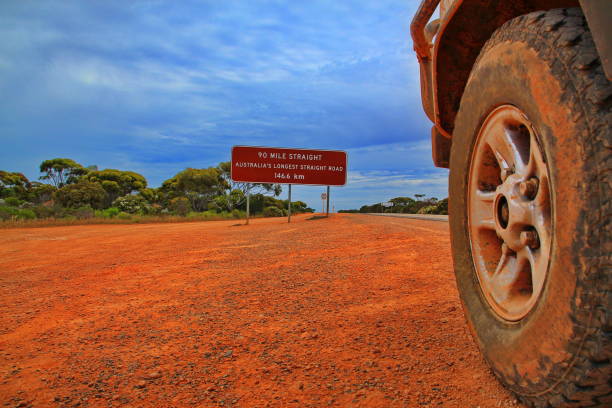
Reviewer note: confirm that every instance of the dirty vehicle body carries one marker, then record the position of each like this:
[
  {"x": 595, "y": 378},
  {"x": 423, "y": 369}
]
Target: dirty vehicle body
[{"x": 520, "y": 96}]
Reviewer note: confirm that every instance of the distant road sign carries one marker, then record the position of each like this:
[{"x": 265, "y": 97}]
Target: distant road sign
[
  {"x": 388, "y": 204},
  {"x": 324, "y": 196},
  {"x": 252, "y": 164}
]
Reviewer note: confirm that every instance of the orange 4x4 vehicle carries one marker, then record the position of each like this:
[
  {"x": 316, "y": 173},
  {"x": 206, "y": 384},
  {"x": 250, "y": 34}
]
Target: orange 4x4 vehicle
[{"x": 520, "y": 96}]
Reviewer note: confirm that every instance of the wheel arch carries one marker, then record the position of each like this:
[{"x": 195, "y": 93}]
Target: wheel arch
[{"x": 465, "y": 28}]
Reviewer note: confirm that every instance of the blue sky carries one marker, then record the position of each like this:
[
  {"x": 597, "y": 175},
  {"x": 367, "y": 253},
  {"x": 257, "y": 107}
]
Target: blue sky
[{"x": 158, "y": 86}]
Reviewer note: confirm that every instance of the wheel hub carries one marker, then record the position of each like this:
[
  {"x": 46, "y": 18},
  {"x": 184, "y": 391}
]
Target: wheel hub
[
  {"x": 503, "y": 211},
  {"x": 509, "y": 213}
]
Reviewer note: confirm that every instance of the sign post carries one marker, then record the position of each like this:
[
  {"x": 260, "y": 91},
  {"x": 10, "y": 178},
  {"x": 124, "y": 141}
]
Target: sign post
[
  {"x": 323, "y": 198},
  {"x": 327, "y": 201},
  {"x": 289, "y": 205},
  {"x": 248, "y": 203}
]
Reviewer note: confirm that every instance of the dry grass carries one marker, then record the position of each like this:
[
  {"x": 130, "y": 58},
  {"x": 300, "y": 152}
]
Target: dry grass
[{"x": 145, "y": 219}]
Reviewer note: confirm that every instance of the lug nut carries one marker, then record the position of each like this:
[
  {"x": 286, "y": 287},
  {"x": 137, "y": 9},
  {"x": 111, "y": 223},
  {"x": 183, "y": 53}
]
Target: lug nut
[
  {"x": 529, "y": 188},
  {"x": 530, "y": 238}
]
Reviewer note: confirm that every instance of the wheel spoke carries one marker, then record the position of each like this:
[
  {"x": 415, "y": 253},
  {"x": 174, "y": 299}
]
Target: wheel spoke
[
  {"x": 482, "y": 209},
  {"x": 542, "y": 198},
  {"x": 504, "y": 277},
  {"x": 505, "y": 148},
  {"x": 533, "y": 280},
  {"x": 531, "y": 169},
  {"x": 537, "y": 168},
  {"x": 538, "y": 271}
]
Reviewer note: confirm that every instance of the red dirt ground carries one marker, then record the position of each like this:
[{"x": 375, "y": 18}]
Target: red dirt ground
[{"x": 351, "y": 311}]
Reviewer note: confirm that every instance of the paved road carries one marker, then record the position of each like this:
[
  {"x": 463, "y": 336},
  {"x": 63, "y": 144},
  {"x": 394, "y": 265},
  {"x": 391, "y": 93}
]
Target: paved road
[{"x": 425, "y": 217}]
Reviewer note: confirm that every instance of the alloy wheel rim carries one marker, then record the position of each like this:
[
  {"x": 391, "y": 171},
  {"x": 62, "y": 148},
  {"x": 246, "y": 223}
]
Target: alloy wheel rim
[{"x": 509, "y": 213}]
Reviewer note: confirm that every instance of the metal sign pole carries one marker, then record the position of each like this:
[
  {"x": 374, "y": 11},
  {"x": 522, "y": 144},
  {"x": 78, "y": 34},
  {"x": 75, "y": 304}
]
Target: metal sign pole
[
  {"x": 327, "y": 201},
  {"x": 248, "y": 203},
  {"x": 289, "y": 219}
]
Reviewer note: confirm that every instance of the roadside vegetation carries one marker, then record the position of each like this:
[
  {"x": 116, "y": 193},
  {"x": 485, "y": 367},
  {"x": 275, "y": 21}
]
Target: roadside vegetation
[
  {"x": 69, "y": 193},
  {"x": 406, "y": 205}
]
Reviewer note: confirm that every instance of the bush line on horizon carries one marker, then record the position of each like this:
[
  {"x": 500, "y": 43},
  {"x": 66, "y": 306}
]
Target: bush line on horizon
[
  {"x": 407, "y": 205},
  {"x": 78, "y": 194}
]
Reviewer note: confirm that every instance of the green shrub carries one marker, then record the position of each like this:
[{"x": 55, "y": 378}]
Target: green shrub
[
  {"x": 180, "y": 206},
  {"x": 237, "y": 214},
  {"x": 81, "y": 194},
  {"x": 133, "y": 204},
  {"x": 272, "y": 211},
  {"x": 429, "y": 209},
  {"x": 7, "y": 213},
  {"x": 26, "y": 214},
  {"x": 62, "y": 212},
  {"x": 42, "y": 211},
  {"x": 84, "y": 212},
  {"x": 13, "y": 201},
  {"x": 441, "y": 207},
  {"x": 124, "y": 216},
  {"x": 214, "y": 205},
  {"x": 155, "y": 209},
  {"x": 41, "y": 193},
  {"x": 110, "y": 212}
]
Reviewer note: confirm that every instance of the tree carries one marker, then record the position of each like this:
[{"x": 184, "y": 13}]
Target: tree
[
  {"x": 272, "y": 211},
  {"x": 40, "y": 192},
  {"x": 300, "y": 207},
  {"x": 13, "y": 185},
  {"x": 233, "y": 198},
  {"x": 132, "y": 204},
  {"x": 200, "y": 186},
  {"x": 61, "y": 171},
  {"x": 227, "y": 202},
  {"x": 83, "y": 193},
  {"x": 403, "y": 205},
  {"x": 155, "y": 197},
  {"x": 180, "y": 206},
  {"x": 152, "y": 195},
  {"x": 117, "y": 183},
  {"x": 402, "y": 201}
]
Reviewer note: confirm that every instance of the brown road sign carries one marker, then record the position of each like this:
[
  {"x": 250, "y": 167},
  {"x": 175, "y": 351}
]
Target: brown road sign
[{"x": 253, "y": 164}]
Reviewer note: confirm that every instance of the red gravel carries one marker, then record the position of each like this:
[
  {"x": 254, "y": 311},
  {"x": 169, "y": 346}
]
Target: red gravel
[{"x": 354, "y": 310}]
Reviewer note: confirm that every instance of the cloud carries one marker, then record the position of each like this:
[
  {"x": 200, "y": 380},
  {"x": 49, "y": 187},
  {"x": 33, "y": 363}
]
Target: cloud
[{"x": 161, "y": 85}]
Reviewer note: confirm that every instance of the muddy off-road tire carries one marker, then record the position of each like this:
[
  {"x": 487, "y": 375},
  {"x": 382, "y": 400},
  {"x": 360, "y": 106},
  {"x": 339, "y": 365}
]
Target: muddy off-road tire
[{"x": 530, "y": 210}]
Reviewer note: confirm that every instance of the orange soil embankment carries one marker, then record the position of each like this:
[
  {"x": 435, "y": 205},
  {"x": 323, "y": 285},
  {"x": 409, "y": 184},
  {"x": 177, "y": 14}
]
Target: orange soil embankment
[{"x": 351, "y": 311}]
